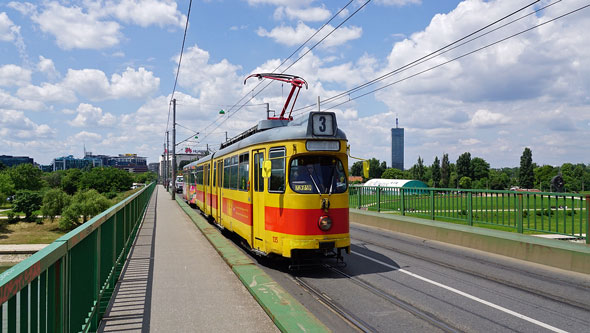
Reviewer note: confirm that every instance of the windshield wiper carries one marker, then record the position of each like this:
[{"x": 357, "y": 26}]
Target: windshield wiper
[
  {"x": 313, "y": 181},
  {"x": 332, "y": 179}
]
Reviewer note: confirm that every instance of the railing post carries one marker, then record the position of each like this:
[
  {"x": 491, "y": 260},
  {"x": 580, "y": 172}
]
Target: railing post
[
  {"x": 402, "y": 202},
  {"x": 359, "y": 196},
  {"x": 431, "y": 204},
  {"x": 470, "y": 208},
  {"x": 378, "y": 199},
  {"x": 519, "y": 215},
  {"x": 588, "y": 219}
]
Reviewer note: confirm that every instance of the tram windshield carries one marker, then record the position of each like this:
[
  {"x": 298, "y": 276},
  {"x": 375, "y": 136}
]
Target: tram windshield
[{"x": 317, "y": 174}]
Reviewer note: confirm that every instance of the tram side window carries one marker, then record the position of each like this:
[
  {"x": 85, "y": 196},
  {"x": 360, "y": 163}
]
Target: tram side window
[
  {"x": 199, "y": 175},
  {"x": 276, "y": 183},
  {"x": 226, "y": 172},
  {"x": 243, "y": 172},
  {"x": 234, "y": 173}
]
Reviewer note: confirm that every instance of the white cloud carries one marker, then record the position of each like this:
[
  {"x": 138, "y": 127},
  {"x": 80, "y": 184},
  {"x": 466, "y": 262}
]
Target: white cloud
[
  {"x": 8, "y": 30},
  {"x": 90, "y": 116},
  {"x": 290, "y": 36},
  {"x": 7, "y": 101},
  {"x": 47, "y": 92},
  {"x": 313, "y": 14},
  {"x": 47, "y": 67},
  {"x": 211, "y": 82},
  {"x": 12, "y": 75},
  {"x": 94, "y": 84},
  {"x": 469, "y": 142},
  {"x": 85, "y": 136},
  {"x": 485, "y": 118},
  {"x": 134, "y": 83},
  {"x": 14, "y": 124},
  {"x": 75, "y": 28},
  {"x": 145, "y": 12}
]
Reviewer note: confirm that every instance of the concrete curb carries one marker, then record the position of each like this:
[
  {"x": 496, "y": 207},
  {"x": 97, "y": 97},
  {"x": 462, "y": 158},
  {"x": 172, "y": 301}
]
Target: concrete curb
[
  {"x": 555, "y": 253},
  {"x": 286, "y": 312}
]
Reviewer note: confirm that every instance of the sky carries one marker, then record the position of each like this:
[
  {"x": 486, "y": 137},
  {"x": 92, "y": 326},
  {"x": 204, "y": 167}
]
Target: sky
[{"x": 99, "y": 75}]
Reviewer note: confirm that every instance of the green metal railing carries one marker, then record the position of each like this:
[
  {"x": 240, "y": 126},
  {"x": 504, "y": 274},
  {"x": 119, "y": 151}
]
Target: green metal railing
[
  {"x": 67, "y": 286},
  {"x": 544, "y": 212}
]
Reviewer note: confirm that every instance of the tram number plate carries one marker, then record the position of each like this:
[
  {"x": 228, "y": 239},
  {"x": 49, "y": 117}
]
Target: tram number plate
[
  {"x": 323, "y": 124},
  {"x": 275, "y": 239},
  {"x": 303, "y": 188}
]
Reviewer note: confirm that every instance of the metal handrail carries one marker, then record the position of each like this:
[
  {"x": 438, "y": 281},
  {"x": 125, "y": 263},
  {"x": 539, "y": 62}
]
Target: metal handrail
[
  {"x": 66, "y": 286},
  {"x": 520, "y": 211}
]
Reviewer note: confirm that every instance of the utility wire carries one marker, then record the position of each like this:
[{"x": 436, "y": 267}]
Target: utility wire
[
  {"x": 229, "y": 115},
  {"x": 463, "y": 55},
  {"x": 179, "y": 60},
  {"x": 230, "y": 110},
  {"x": 426, "y": 57}
]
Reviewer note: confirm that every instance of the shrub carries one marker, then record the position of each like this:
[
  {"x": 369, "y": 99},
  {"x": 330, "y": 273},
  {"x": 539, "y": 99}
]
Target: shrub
[{"x": 54, "y": 202}]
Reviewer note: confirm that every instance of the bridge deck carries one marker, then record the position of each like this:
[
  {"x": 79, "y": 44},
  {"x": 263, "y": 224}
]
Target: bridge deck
[{"x": 174, "y": 281}]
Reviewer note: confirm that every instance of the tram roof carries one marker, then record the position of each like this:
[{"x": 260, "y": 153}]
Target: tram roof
[{"x": 274, "y": 130}]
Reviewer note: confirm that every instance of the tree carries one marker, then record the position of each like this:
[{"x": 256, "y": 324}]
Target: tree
[
  {"x": 435, "y": 172},
  {"x": 6, "y": 187},
  {"x": 464, "y": 165},
  {"x": 106, "y": 180},
  {"x": 53, "y": 179},
  {"x": 145, "y": 177},
  {"x": 393, "y": 173},
  {"x": 499, "y": 180},
  {"x": 26, "y": 201},
  {"x": 465, "y": 182},
  {"x": 2, "y": 166},
  {"x": 420, "y": 172},
  {"x": 526, "y": 176},
  {"x": 543, "y": 176},
  {"x": 26, "y": 177},
  {"x": 479, "y": 168},
  {"x": 70, "y": 182},
  {"x": 356, "y": 169},
  {"x": 376, "y": 168},
  {"x": 86, "y": 204},
  {"x": 445, "y": 171},
  {"x": 54, "y": 202}
]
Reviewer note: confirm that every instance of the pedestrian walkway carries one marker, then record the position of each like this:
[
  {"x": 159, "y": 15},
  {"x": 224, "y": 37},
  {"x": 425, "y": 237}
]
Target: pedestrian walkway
[{"x": 175, "y": 281}]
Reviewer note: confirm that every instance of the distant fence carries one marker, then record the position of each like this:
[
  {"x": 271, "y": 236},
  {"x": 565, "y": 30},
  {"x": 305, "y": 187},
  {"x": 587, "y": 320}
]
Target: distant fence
[
  {"x": 67, "y": 286},
  {"x": 556, "y": 213}
]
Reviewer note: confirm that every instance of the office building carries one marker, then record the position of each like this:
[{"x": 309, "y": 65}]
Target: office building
[{"x": 397, "y": 147}]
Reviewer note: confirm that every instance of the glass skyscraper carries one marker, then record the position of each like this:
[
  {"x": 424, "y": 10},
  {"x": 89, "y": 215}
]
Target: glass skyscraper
[{"x": 397, "y": 147}]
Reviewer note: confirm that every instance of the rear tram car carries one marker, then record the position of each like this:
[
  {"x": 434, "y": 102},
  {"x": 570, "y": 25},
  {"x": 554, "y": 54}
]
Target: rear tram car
[{"x": 281, "y": 186}]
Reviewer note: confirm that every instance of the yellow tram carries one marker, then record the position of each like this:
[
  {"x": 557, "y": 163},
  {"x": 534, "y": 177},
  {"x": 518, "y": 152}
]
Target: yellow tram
[{"x": 281, "y": 186}]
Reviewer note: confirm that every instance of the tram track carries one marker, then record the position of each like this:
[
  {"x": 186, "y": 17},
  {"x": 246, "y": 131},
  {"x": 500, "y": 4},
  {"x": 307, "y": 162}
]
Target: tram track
[{"x": 542, "y": 293}]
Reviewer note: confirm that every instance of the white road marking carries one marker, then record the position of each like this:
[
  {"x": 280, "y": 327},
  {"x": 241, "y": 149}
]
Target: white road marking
[{"x": 516, "y": 314}]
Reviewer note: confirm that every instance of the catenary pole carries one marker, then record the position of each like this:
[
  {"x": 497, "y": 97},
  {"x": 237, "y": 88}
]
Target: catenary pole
[
  {"x": 173, "y": 148},
  {"x": 167, "y": 161}
]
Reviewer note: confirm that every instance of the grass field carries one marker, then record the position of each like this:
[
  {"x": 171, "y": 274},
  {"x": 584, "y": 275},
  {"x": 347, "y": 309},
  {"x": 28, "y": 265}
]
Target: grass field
[{"x": 30, "y": 233}]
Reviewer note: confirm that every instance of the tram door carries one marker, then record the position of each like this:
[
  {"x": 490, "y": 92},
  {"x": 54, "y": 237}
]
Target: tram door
[
  {"x": 206, "y": 190},
  {"x": 258, "y": 230},
  {"x": 219, "y": 183}
]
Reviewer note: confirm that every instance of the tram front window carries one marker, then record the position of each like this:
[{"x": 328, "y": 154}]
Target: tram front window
[{"x": 317, "y": 174}]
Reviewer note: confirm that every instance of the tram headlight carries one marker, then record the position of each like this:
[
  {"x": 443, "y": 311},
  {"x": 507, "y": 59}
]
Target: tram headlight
[{"x": 325, "y": 223}]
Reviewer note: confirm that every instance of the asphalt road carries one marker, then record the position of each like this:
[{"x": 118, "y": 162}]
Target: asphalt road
[{"x": 398, "y": 283}]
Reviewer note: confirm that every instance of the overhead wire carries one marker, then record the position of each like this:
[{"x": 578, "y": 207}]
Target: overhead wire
[
  {"x": 431, "y": 55},
  {"x": 179, "y": 61},
  {"x": 462, "y": 56},
  {"x": 229, "y": 115}
]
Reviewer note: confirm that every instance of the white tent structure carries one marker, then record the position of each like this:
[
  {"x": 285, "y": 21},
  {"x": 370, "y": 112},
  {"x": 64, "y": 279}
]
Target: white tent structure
[{"x": 394, "y": 183}]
